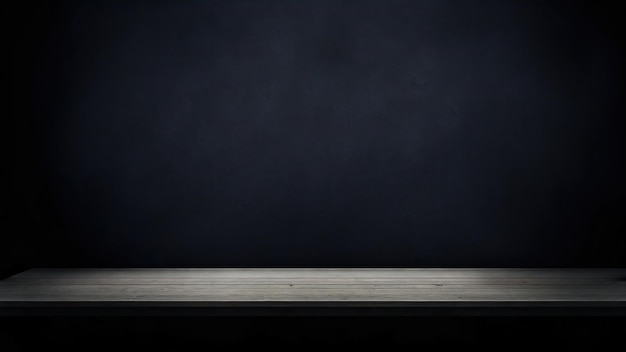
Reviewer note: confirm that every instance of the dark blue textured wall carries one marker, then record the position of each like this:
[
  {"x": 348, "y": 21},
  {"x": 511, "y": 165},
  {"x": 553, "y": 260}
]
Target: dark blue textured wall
[{"x": 329, "y": 133}]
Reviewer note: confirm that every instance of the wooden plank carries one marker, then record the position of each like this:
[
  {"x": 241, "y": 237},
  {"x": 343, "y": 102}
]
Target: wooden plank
[
  {"x": 401, "y": 291},
  {"x": 315, "y": 276},
  {"x": 331, "y": 287}
]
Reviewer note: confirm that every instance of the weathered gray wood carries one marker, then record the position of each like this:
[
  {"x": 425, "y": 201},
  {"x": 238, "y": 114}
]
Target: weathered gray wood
[{"x": 379, "y": 287}]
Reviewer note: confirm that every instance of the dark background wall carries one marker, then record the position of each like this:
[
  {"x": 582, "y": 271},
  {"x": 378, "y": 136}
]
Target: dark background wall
[{"x": 316, "y": 133}]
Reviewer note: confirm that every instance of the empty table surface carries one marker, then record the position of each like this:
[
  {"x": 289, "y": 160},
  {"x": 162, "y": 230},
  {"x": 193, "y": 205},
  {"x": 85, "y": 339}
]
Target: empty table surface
[{"x": 401, "y": 290}]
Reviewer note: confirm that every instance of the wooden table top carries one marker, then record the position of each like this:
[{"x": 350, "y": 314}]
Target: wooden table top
[{"x": 402, "y": 289}]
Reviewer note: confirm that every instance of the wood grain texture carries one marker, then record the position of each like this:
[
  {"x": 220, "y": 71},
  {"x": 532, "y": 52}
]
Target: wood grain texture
[{"x": 377, "y": 287}]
